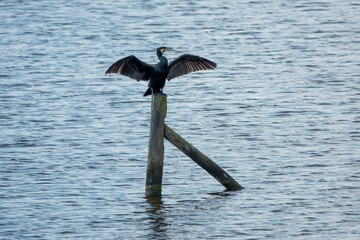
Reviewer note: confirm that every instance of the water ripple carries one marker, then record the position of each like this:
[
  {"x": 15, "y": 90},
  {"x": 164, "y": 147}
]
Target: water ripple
[{"x": 280, "y": 114}]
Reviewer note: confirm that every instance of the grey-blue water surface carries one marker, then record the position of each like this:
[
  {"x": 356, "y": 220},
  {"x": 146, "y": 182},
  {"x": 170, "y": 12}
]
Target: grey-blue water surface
[{"x": 280, "y": 114}]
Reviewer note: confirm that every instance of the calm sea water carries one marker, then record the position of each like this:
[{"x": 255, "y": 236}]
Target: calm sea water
[{"x": 281, "y": 114}]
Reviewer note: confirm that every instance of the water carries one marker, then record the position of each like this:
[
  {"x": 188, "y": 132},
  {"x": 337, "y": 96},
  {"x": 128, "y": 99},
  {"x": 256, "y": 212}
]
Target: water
[{"x": 280, "y": 114}]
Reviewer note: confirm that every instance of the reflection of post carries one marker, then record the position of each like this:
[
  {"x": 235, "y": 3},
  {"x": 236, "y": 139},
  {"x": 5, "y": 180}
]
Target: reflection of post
[
  {"x": 203, "y": 161},
  {"x": 157, "y": 221},
  {"x": 156, "y": 146}
]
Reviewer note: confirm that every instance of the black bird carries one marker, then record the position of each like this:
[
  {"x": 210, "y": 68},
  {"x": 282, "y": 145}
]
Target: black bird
[{"x": 134, "y": 68}]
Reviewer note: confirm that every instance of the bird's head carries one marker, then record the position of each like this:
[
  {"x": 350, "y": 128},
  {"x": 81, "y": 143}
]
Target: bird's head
[{"x": 161, "y": 50}]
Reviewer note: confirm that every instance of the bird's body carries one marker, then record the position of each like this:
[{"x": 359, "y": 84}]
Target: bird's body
[
  {"x": 158, "y": 76},
  {"x": 134, "y": 68}
]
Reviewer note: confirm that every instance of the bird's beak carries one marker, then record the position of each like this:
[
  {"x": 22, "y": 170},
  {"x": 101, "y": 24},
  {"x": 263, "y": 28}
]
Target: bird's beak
[{"x": 167, "y": 49}]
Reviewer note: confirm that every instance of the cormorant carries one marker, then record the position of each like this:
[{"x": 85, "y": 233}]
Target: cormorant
[{"x": 134, "y": 68}]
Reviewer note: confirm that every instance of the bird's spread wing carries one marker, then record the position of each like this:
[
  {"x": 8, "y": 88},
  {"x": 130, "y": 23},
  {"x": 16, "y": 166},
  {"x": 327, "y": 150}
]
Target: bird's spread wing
[
  {"x": 131, "y": 67},
  {"x": 188, "y": 63}
]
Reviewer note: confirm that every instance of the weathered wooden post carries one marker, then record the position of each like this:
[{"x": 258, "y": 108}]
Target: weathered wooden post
[
  {"x": 156, "y": 146},
  {"x": 158, "y": 131},
  {"x": 203, "y": 161}
]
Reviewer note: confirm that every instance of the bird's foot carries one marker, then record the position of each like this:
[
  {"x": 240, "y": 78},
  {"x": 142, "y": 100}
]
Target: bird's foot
[{"x": 160, "y": 93}]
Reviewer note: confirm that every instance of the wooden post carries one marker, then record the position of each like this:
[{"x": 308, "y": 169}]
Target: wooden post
[
  {"x": 156, "y": 146},
  {"x": 203, "y": 161}
]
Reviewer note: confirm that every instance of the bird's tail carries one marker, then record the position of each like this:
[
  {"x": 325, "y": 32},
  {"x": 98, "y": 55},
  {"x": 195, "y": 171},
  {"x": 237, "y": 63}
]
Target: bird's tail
[{"x": 148, "y": 92}]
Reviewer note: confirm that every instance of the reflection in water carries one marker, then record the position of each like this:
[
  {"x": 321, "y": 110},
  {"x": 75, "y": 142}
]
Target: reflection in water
[
  {"x": 225, "y": 193},
  {"x": 156, "y": 218}
]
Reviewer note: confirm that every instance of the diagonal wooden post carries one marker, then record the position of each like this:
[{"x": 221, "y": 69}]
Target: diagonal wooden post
[
  {"x": 203, "y": 161},
  {"x": 156, "y": 146},
  {"x": 158, "y": 131}
]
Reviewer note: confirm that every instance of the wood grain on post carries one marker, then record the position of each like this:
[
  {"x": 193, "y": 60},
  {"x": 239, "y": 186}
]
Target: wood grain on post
[
  {"x": 156, "y": 146},
  {"x": 203, "y": 161}
]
